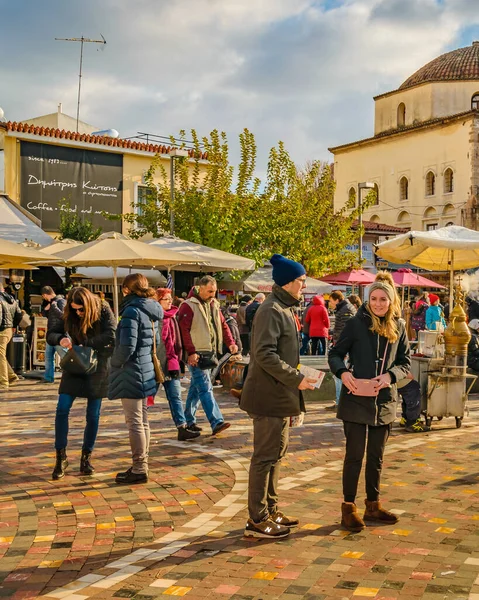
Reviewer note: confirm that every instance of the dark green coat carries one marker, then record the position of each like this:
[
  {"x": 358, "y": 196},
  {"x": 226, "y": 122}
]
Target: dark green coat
[
  {"x": 271, "y": 387},
  {"x": 366, "y": 351}
]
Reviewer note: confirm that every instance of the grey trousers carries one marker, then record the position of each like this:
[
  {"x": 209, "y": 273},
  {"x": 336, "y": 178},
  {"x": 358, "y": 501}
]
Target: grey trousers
[
  {"x": 136, "y": 418},
  {"x": 271, "y": 435}
]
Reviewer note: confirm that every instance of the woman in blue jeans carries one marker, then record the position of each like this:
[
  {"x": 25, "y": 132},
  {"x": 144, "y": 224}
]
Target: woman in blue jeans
[
  {"x": 86, "y": 321},
  {"x": 172, "y": 341}
]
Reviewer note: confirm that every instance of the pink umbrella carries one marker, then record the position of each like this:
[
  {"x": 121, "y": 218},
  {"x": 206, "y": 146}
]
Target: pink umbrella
[
  {"x": 406, "y": 278},
  {"x": 356, "y": 276}
]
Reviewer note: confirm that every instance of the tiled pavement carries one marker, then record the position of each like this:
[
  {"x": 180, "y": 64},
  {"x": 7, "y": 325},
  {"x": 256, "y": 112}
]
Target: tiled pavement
[{"x": 181, "y": 534}]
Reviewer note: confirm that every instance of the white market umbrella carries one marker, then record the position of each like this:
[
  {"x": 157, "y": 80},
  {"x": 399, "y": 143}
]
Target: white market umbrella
[
  {"x": 10, "y": 252},
  {"x": 60, "y": 245},
  {"x": 444, "y": 249},
  {"x": 207, "y": 259},
  {"x": 262, "y": 281},
  {"x": 113, "y": 249}
]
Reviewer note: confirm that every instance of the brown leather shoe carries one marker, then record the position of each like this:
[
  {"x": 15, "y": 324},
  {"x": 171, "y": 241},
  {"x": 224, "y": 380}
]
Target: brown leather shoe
[
  {"x": 350, "y": 517},
  {"x": 375, "y": 512},
  {"x": 236, "y": 392}
]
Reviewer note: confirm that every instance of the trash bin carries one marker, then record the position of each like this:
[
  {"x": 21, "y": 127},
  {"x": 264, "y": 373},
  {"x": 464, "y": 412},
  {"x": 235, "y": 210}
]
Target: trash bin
[{"x": 17, "y": 352}]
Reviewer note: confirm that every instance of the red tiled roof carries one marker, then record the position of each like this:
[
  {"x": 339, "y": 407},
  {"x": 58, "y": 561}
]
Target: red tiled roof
[
  {"x": 372, "y": 226},
  {"x": 50, "y": 132},
  {"x": 459, "y": 65}
]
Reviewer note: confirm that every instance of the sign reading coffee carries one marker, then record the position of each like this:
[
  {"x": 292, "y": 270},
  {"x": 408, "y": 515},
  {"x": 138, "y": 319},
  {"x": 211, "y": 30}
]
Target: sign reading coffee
[{"x": 58, "y": 178}]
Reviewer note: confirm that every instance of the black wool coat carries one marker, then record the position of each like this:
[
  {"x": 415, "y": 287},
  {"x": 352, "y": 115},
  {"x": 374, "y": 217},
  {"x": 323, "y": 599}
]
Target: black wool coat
[
  {"x": 132, "y": 371},
  {"x": 100, "y": 337},
  {"x": 366, "y": 351}
]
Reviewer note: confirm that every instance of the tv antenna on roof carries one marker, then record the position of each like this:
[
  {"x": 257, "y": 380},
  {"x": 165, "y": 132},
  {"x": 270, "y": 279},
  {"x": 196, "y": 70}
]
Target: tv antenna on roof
[{"x": 82, "y": 41}]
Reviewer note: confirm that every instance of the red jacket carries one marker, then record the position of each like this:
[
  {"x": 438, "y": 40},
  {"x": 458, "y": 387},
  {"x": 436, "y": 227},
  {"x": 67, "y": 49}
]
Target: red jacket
[{"x": 318, "y": 318}]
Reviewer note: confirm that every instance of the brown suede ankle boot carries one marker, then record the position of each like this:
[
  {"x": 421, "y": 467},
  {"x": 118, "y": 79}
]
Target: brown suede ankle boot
[
  {"x": 350, "y": 517},
  {"x": 375, "y": 512}
]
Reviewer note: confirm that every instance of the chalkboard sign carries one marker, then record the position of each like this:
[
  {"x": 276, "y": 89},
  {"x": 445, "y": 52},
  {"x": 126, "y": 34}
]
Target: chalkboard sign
[{"x": 58, "y": 178}]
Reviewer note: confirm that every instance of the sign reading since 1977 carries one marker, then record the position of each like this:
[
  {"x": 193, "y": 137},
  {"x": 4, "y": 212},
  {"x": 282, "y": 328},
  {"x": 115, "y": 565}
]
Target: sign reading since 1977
[{"x": 58, "y": 178}]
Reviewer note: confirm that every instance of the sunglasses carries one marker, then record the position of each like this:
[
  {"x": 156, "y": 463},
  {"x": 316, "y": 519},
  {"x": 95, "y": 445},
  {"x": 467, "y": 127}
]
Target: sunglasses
[{"x": 78, "y": 310}]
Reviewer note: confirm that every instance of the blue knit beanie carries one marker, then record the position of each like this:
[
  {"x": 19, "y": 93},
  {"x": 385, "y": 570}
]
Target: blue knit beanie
[{"x": 285, "y": 270}]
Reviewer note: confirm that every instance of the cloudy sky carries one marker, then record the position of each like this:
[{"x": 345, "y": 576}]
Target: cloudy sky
[{"x": 303, "y": 71}]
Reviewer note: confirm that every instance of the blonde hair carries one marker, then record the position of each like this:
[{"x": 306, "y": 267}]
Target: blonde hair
[{"x": 387, "y": 326}]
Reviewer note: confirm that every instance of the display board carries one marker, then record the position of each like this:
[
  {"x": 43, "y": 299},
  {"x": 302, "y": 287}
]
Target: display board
[
  {"x": 39, "y": 340},
  {"x": 59, "y": 178}
]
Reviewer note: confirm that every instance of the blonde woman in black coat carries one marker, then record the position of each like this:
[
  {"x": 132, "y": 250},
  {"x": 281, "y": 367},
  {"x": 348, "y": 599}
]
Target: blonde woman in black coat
[
  {"x": 375, "y": 340},
  {"x": 86, "y": 321}
]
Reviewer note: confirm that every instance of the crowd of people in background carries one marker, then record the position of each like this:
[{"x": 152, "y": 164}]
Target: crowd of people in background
[{"x": 161, "y": 341}]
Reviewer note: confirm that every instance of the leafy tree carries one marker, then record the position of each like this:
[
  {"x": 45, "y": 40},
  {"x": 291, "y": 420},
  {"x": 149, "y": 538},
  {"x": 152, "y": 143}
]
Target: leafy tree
[
  {"x": 74, "y": 227},
  {"x": 294, "y": 213}
]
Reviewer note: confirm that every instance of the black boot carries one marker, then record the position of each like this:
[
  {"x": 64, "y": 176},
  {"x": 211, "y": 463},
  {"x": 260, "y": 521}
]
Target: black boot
[
  {"x": 61, "y": 464},
  {"x": 86, "y": 467}
]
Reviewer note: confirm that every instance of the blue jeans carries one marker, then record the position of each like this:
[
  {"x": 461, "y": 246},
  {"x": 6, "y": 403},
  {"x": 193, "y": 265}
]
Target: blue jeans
[
  {"x": 173, "y": 395},
  {"x": 201, "y": 390},
  {"x": 93, "y": 407},
  {"x": 305, "y": 345},
  {"x": 338, "y": 384},
  {"x": 50, "y": 361}
]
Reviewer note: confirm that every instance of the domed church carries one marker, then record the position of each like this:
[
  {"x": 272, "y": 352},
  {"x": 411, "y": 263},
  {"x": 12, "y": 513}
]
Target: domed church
[{"x": 424, "y": 156}]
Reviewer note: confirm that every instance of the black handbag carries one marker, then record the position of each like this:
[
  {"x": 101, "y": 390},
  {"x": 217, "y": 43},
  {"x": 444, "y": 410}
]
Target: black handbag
[
  {"x": 207, "y": 360},
  {"x": 80, "y": 360}
]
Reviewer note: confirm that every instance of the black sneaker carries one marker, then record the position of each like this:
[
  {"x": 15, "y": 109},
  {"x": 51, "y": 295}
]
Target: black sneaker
[
  {"x": 417, "y": 427},
  {"x": 194, "y": 427},
  {"x": 187, "y": 434},
  {"x": 332, "y": 407},
  {"x": 130, "y": 477},
  {"x": 281, "y": 519},
  {"x": 221, "y": 427},
  {"x": 265, "y": 529}
]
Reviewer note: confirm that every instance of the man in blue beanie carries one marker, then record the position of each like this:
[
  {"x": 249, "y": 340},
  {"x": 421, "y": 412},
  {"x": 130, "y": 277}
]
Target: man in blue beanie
[{"x": 272, "y": 394}]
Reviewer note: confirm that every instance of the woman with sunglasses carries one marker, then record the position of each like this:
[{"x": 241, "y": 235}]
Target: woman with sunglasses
[
  {"x": 86, "y": 321},
  {"x": 133, "y": 376}
]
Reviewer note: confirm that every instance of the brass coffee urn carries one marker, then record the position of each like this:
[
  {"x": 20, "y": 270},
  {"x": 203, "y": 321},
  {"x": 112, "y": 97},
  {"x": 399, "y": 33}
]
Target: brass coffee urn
[{"x": 456, "y": 337}]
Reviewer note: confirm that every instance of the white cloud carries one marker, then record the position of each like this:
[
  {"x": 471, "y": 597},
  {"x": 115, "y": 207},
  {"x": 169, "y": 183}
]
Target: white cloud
[{"x": 303, "y": 71}]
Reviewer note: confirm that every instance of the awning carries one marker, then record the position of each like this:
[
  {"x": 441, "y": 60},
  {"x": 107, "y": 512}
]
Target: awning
[
  {"x": 18, "y": 225},
  {"x": 261, "y": 281}
]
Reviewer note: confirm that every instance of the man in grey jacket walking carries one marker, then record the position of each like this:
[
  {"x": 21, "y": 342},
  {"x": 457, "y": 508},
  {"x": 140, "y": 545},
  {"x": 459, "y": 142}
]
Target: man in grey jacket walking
[{"x": 272, "y": 395}]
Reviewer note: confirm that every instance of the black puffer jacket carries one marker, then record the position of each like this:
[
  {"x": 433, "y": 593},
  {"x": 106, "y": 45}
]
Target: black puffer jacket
[
  {"x": 132, "y": 371},
  {"x": 344, "y": 311},
  {"x": 473, "y": 352},
  {"x": 366, "y": 351},
  {"x": 10, "y": 313},
  {"x": 101, "y": 337}
]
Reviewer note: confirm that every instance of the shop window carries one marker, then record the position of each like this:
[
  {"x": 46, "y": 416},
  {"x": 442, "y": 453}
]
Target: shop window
[
  {"x": 403, "y": 188},
  {"x": 475, "y": 102},
  {"x": 448, "y": 181},
  {"x": 430, "y": 184},
  {"x": 401, "y": 115}
]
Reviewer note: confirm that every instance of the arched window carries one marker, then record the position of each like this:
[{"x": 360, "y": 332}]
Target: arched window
[
  {"x": 449, "y": 209},
  {"x": 449, "y": 224},
  {"x": 430, "y": 184},
  {"x": 401, "y": 115},
  {"x": 448, "y": 181},
  {"x": 403, "y": 188},
  {"x": 430, "y": 213},
  {"x": 404, "y": 217},
  {"x": 352, "y": 197},
  {"x": 475, "y": 102}
]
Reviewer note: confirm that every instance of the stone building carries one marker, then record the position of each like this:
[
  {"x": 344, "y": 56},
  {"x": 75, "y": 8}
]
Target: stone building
[{"x": 424, "y": 155}]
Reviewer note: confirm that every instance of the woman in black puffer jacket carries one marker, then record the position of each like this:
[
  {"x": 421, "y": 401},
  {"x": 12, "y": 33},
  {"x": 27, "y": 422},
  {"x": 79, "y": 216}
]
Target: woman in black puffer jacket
[
  {"x": 132, "y": 377},
  {"x": 86, "y": 321},
  {"x": 376, "y": 342}
]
